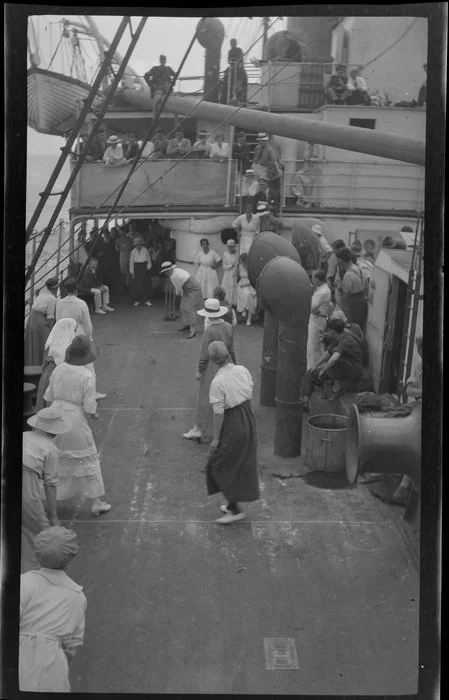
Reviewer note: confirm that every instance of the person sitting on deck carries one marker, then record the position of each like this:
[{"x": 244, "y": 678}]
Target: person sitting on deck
[
  {"x": 219, "y": 150},
  {"x": 358, "y": 89},
  {"x": 290, "y": 49},
  {"x": 159, "y": 79},
  {"x": 113, "y": 154},
  {"x": 201, "y": 147},
  {"x": 341, "y": 363},
  {"x": 90, "y": 282},
  {"x": 179, "y": 146},
  {"x": 337, "y": 88}
]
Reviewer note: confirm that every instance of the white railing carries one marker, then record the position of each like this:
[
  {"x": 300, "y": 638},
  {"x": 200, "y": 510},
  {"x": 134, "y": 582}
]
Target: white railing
[
  {"x": 356, "y": 185},
  {"x": 53, "y": 262}
]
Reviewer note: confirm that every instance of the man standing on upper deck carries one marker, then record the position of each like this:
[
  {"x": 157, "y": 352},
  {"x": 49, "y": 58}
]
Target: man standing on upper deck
[
  {"x": 159, "y": 79},
  {"x": 179, "y": 146}
]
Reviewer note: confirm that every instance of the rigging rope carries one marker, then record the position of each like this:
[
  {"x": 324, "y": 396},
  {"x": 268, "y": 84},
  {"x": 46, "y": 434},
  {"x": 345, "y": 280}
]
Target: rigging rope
[{"x": 176, "y": 162}]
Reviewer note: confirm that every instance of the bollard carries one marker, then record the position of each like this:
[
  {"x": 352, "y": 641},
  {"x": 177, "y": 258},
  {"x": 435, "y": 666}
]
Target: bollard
[
  {"x": 286, "y": 291},
  {"x": 268, "y": 367},
  {"x": 267, "y": 246}
]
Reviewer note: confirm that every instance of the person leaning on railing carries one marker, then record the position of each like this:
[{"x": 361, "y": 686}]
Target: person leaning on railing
[
  {"x": 219, "y": 150},
  {"x": 113, "y": 154},
  {"x": 201, "y": 148},
  {"x": 337, "y": 87},
  {"x": 179, "y": 146}
]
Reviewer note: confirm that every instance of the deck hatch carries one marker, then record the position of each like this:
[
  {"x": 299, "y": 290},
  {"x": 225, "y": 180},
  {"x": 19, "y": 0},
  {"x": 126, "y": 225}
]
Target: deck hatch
[{"x": 280, "y": 653}]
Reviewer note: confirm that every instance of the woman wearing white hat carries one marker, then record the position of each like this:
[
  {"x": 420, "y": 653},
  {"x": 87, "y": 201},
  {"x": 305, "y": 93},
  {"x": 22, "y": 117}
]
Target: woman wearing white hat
[
  {"x": 61, "y": 336},
  {"x": 218, "y": 329},
  {"x": 189, "y": 290},
  {"x": 113, "y": 154},
  {"x": 229, "y": 282},
  {"x": 40, "y": 464},
  {"x": 72, "y": 390}
]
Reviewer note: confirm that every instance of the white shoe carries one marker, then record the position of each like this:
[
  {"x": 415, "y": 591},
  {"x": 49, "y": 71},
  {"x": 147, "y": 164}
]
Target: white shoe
[
  {"x": 99, "y": 396},
  {"x": 230, "y": 518},
  {"x": 101, "y": 312},
  {"x": 106, "y": 307},
  {"x": 225, "y": 509},
  {"x": 248, "y": 323},
  {"x": 102, "y": 507},
  {"x": 148, "y": 303},
  {"x": 137, "y": 303},
  {"x": 192, "y": 434}
]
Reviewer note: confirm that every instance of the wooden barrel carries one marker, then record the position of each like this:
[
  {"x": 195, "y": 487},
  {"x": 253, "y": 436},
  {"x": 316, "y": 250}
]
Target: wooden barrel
[{"x": 326, "y": 443}]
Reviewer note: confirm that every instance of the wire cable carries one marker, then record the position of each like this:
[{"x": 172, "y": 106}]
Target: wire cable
[{"x": 392, "y": 45}]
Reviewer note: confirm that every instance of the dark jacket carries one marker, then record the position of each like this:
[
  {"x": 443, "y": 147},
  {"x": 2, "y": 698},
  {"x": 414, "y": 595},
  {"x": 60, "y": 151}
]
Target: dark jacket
[{"x": 89, "y": 280}]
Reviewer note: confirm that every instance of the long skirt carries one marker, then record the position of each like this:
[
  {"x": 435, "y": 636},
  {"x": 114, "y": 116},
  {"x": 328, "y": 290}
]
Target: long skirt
[
  {"x": 246, "y": 299},
  {"x": 34, "y": 518},
  {"x": 315, "y": 347},
  {"x": 141, "y": 282},
  {"x": 43, "y": 666},
  {"x": 355, "y": 306},
  {"x": 204, "y": 417},
  {"x": 47, "y": 370},
  {"x": 208, "y": 279},
  {"x": 232, "y": 469},
  {"x": 79, "y": 466},
  {"x": 36, "y": 334},
  {"x": 229, "y": 284},
  {"x": 191, "y": 302}
]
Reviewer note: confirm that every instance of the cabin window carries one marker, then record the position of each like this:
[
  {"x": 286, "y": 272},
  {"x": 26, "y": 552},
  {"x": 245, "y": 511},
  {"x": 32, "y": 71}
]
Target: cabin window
[{"x": 364, "y": 123}]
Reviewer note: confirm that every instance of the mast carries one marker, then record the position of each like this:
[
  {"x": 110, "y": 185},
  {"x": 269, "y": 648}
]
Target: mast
[{"x": 265, "y": 22}]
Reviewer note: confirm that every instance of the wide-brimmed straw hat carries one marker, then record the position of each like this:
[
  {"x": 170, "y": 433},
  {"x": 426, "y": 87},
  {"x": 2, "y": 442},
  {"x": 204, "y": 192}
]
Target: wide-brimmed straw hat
[
  {"x": 212, "y": 309},
  {"x": 166, "y": 266},
  {"x": 263, "y": 206},
  {"x": 80, "y": 351},
  {"x": 262, "y": 136},
  {"x": 113, "y": 139},
  {"x": 50, "y": 420},
  {"x": 231, "y": 242}
]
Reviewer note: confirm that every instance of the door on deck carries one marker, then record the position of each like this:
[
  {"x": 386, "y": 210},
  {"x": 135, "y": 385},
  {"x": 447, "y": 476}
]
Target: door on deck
[{"x": 393, "y": 335}]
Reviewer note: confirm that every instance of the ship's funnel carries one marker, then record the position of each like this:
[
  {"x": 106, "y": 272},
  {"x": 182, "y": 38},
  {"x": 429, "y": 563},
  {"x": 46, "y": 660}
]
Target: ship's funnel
[
  {"x": 266, "y": 246},
  {"x": 210, "y": 33},
  {"x": 284, "y": 288}
]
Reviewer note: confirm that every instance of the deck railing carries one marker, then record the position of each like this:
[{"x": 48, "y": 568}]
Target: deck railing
[{"x": 54, "y": 260}]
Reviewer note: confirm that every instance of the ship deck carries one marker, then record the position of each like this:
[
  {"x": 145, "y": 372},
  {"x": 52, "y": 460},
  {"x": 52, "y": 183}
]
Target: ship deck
[{"x": 180, "y": 604}]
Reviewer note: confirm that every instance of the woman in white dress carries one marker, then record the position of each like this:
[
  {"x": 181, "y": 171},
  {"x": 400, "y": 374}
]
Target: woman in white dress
[
  {"x": 72, "y": 389},
  {"x": 248, "y": 226},
  {"x": 61, "y": 336},
  {"x": 207, "y": 260},
  {"x": 246, "y": 294},
  {"x": 229, "y": 282},
  {"x": 52, "y": 615},
  {"x": 321, "y": 308}
]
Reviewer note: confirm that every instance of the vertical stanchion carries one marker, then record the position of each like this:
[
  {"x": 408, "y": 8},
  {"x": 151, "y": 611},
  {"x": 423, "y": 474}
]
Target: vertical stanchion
[
  {"x": 32, "y": 276},
  {"x": 58, "y": 254}
]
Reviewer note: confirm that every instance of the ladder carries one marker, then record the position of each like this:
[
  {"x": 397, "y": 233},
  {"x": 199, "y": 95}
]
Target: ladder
[{"x": 413, "y": 297}]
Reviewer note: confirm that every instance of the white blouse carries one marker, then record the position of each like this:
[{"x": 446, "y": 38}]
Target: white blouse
[
  {"x": 241, "y": 223},
  {"x": 139, "y": 256},
  {"x": 207, "y": 259},
  {"x": 40, "y": 454},
  {"x": 45, "y": 302},
  {"x": 231, "y": 386},
  {"x": 217, "y": 151},
  {"x": 72, "y": 383},
  {"x": 179, "y": 277}
]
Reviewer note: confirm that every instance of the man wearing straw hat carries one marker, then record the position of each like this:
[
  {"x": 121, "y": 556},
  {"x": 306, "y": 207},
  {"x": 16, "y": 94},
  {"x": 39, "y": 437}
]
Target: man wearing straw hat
[
  {"x": 113, "y": 154},
  {"x": 139, "y": 268},
  {"x": 189, "y": 290},
  {"x": 40, "y": 464}
]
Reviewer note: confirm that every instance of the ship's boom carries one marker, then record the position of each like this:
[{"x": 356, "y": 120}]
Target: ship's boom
[{"x": 349, "y": 138}]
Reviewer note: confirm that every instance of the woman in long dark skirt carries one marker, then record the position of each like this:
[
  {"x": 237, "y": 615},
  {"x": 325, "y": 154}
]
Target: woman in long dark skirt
[
  {"x": 139, "y": 268},
  {"x": 232, "y": 464},
  {"x": 61, "y": 336},
  {"x": 39, "y": 323}
]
